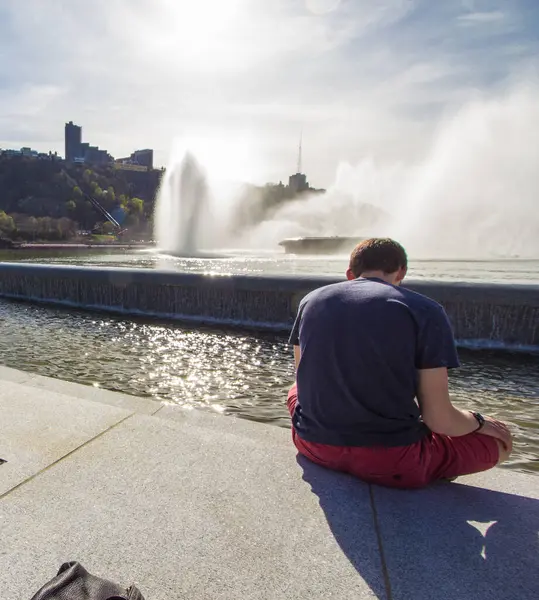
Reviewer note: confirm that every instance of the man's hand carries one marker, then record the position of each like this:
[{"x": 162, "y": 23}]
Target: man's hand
[{"x": 498, "y": 430}]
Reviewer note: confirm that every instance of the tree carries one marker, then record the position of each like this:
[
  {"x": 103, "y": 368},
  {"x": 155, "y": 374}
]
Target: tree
[
  {"x": 26, "y": 226},
  {"x": 107, "y": 228},
  {"x": 132, "y": 221},
  {"x": 111, "y": 194},
  {"x": 137, "y": 206},
  {"x": 67, "y": 228},
  {"x": 45, "y": 227},
  {"x": 43, "y": 188},
  {"x": 7, "y": 224}
]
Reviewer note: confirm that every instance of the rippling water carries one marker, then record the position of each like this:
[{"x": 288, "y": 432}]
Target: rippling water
[
  {"x": 232, "y": 372},
  {"x": 271, "y": 263}
]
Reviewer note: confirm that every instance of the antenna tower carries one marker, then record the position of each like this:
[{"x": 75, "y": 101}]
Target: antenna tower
[{"x": 299, "y": 151}]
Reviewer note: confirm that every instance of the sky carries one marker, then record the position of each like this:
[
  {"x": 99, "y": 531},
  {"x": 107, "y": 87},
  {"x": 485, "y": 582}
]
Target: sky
[{"x": 238, "y": 81}]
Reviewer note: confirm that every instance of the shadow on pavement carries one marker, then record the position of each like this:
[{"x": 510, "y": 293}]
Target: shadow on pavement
[{"x": 450, "y": 541}]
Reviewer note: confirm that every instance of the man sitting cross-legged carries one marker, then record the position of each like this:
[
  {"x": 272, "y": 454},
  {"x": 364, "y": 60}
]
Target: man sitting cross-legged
[{"x": 371, "y": 395}]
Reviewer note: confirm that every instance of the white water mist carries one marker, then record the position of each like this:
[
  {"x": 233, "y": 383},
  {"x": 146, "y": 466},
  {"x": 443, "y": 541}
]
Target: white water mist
[
  {"x": 180, "y": 206},
  {"x": 476, "y": 194}
]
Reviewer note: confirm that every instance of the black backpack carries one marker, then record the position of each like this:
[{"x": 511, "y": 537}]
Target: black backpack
[{"x": 73, "y": 582}]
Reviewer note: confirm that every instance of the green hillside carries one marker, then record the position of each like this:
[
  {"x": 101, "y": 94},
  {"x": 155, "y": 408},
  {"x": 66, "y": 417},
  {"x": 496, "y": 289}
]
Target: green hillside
[{"x": 45, "y": 199}]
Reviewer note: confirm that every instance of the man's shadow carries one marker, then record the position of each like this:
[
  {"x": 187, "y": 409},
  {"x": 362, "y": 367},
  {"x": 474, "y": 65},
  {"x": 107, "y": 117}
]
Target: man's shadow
[{"x": 450, "y": 541}]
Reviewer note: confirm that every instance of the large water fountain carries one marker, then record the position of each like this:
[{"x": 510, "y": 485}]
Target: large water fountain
[
  {"x": 437, "y": 206},
  {"x": 474, "y": 196},
  {"x": 180, "y": 208}
]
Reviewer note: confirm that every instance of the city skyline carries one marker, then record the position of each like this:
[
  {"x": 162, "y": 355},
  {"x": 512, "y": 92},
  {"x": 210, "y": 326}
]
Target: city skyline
[
  {"x": 236, "y": 81},
  {"x": 82, "y": 152}
]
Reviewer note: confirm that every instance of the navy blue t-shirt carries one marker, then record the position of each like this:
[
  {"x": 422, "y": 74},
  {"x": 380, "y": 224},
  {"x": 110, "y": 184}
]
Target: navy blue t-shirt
[{"x": 362, "y": 342}]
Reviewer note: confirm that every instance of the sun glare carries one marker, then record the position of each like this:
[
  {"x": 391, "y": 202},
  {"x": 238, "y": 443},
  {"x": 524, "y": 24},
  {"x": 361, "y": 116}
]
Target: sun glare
[
  {"x": 200, "y": 35},
  {"x": 223, "y": 158},
  {"x": 198, "y": 22}
]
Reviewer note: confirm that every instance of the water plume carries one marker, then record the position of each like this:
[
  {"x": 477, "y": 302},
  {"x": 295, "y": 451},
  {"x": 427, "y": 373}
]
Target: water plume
[{"x": 475, "y": 194}]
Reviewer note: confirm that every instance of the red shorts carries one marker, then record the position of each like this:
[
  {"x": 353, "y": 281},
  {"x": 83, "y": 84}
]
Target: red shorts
[{"x": 434, "y": 457}]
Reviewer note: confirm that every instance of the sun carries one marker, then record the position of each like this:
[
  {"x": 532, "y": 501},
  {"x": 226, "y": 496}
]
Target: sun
[
  {"x": 199, "y": 33},
  {"x": 200, "y": 19},
  {"x": 222, "y": 156}
]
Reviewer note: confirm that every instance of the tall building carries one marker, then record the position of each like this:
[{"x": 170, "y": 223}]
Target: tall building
[
  {"x": 78, "y": 151},
  {"x": 73, "y": 137}
]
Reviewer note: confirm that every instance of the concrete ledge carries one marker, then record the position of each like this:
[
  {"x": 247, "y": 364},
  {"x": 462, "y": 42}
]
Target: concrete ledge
[
  {"x": 491, "y": 315},
  {"x": 193, "y": 505},
  {"x": 223, "y": 423},
  {"x": 87, "y": 392}
]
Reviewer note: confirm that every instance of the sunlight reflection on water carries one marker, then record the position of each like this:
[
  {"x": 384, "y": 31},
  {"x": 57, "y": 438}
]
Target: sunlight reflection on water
[{"x": 231, "y": 372}]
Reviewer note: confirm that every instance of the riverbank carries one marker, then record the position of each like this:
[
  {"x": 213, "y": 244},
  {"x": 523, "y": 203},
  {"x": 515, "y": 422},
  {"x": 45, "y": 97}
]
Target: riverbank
[
  {"x": 193, "y": 505},
  {"x": 80, "y": 246}
]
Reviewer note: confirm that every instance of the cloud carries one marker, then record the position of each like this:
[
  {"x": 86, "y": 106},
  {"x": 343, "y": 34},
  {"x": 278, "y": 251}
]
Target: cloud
[
  {"x": 482, "y": 17},
  {"x": 361, "y": 78}
]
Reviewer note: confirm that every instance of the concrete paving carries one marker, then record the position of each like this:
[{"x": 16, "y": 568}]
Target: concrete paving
[
  {"x": 193, "y": 505},
  {"x": 39, "y": 429},
  {"x": 475, "y": 539}
]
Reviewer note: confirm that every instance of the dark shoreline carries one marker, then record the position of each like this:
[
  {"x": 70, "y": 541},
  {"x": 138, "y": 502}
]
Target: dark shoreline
[{"x": 80, "y": 246}]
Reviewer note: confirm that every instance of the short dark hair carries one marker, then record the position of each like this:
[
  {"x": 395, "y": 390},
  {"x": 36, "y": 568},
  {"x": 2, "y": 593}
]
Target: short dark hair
[{"x": 377, "y": 254}]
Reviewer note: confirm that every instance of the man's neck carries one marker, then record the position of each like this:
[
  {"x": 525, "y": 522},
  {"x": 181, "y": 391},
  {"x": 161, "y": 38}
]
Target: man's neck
[{"x": 387, "y": 277}]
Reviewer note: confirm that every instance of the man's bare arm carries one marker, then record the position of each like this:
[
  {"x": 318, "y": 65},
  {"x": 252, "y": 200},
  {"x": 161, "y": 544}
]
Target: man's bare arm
[
  {"x": 297, "y": 356},
  {"x": 437, "y": 411},
  {"x": 441, "y": 416}
]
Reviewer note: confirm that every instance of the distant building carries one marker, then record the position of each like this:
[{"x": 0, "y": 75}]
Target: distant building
[
  {"x": 81, "y": 152},
  {"x": 29, "y": 153},
  {"x": 73, "y": 138},
  {"x": 47, "y": 155},
  {"x": 298, "y": 183},
  {"x": 143, "y": 158},
  {"x": 94, "y": 156},
  {"x": 78, "y": 151},
  {"x": 10, "y": 152},
  {"x": 139, "y": 158}
]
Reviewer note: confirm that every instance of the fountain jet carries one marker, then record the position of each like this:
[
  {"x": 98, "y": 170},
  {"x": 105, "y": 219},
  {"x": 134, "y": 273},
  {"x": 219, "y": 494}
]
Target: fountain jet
[{"x": 181, "y": 205}]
